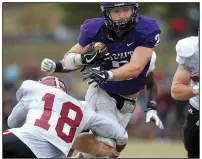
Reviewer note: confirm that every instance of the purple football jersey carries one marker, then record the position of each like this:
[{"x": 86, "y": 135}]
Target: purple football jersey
[{"x": 145, "y": 33}]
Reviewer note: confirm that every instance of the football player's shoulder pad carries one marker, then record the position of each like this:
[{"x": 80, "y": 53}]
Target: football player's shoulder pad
[{"x": 186, "y": 47}]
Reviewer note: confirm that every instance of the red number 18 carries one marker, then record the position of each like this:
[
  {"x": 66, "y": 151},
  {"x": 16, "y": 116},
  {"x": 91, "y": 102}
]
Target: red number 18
[{"x": 63, "y": 119}]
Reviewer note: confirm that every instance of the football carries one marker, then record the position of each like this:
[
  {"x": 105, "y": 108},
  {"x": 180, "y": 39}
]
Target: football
[{"x": 96, "y": 46}]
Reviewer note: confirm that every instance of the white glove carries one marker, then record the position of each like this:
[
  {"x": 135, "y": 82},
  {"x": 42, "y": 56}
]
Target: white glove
[
  {"x": 196, "y": 89},
  {"x": 48, "y": 65},
  {"x": 152, "y": 115}
]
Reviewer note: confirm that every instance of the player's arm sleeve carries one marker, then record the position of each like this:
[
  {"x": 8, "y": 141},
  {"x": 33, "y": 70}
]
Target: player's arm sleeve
[
  {"x": 183, "y": 62},
  {"x": 85, "y": 37},
  {"x": 23, "y": 90},
  {"x": 105, "y": 127},
  {"x": 184, "y": 66},
  {"x": 18, "y": 115},
  {"x": 19, "y": 94},
  {"x": 151, "y": 37},
  {"x": 152, "y": 40}
]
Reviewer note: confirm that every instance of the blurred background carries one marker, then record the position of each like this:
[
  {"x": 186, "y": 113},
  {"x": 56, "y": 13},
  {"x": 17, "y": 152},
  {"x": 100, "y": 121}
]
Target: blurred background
[{"x": 34, "y": 31}]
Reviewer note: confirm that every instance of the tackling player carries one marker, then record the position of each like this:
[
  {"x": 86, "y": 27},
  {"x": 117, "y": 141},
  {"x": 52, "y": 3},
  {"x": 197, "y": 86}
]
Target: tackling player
[{"x": 46, "y": 121}]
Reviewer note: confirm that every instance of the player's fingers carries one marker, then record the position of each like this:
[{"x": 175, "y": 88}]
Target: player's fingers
[
  {"x": 45, "y": 68},
  {"x": 49, "y": 62},
  {"x": 106, "y": 58},
  {"x": 157, "y": 123},
  {"x": 86, "y": 77},
  {"x": 156, "y": 120},
  {"x": 97, "y": 84},
  {"x": 86, "y": 71},
  {"x": 161, "y": 125},
  {"x": 46, "y": 65},
  {"x": 91, "y": 81},
  {"x": 147, "y": 119},
  {"x": 87, "y": 74}
]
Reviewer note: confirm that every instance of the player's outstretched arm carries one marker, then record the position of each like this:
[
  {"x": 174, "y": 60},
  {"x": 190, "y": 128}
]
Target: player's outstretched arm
[
  {"x": 77, "y": 57},
  {"x": 50, "y": 66},
  {"x": 180, "y": 89},
  {"x": 18, "y": 115},
  {"x": 151, "y": 112}
]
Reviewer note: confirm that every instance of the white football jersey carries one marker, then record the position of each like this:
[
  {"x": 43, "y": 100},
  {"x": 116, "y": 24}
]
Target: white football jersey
[
  {"x": 48, "y": 120},
  {"x": 51, "y": 115},
  {"x": 188, "y": 56}
]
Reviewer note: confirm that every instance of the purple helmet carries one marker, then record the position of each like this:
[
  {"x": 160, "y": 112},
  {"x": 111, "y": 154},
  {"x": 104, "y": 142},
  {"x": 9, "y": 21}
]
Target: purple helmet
[{"x": 120, "y": 26}]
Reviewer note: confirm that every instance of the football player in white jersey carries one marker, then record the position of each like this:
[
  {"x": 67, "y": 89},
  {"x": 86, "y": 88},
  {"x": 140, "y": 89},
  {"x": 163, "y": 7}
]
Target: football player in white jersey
[
  {"x": 185, "y": 86},
  {"x": 46, "y": 121}
]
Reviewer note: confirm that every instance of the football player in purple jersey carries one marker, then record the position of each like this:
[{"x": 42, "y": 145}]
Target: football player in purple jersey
[{"x": 130, "y": 39}]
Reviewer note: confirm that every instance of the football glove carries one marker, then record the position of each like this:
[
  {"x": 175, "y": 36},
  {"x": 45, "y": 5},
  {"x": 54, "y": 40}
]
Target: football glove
[{"x": 98, "y": 76}]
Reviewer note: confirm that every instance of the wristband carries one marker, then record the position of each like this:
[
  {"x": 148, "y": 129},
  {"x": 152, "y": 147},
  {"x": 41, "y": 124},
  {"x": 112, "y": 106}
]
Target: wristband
[{"x": 58, "y": 67}]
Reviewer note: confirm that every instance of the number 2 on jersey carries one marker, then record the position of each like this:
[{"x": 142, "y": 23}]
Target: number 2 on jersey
[{"x": 63, "y": 119}]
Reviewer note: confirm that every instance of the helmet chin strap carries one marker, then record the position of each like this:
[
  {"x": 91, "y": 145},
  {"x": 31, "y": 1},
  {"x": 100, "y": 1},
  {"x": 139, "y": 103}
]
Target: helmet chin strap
[
  {"x": 115, "y": 35},
  {"x": 118, "y": 27}
]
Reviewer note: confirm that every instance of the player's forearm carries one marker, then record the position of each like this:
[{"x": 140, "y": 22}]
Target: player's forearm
[
  {"x": 152, "y": 93},
  {"x": 70, "y": 62},
  {"x": 64, "y": 70},
  {"x": 125, "y": 72},
  {"x": 86, "y": 143},
  {"x": 151, "y": 87},
  {"x": 182, "y": 92}
]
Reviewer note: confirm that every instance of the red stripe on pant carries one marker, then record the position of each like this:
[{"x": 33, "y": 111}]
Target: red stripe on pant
[{"x": 6, "y": 133}]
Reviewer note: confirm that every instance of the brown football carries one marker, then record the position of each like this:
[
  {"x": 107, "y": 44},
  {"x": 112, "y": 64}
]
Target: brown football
[{"x": 96, "y": 46}]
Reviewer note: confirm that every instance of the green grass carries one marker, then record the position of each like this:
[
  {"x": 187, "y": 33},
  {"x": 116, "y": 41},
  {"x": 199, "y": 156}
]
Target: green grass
[{"x": 153, "y": 149}]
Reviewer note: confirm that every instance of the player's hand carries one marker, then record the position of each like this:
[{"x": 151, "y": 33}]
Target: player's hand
[
  {"x": 91, "y": 56},
  {"x": 151, "y": 115},
  {"x": 97, "y": 76},
  {"x": 48, "y": 65},
  {"x": 113, "y": 156},
  {"x": 196, "y": 89}
]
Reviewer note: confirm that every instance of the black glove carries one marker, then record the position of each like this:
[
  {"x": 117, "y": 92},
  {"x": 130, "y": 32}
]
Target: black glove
[
  {"x": 92, "y": 57},
  {"x": 98, "y": 76},
  {"x": 151, "y": 106}
]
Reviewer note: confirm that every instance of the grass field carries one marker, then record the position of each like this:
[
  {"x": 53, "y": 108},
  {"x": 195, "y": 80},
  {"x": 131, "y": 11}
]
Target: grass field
[{"x": 153, "y": 149}]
